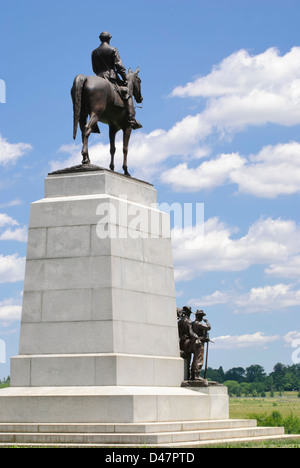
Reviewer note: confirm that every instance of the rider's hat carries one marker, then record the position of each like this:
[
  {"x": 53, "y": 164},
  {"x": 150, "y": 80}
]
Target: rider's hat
[{"x": 105, "y": 35}]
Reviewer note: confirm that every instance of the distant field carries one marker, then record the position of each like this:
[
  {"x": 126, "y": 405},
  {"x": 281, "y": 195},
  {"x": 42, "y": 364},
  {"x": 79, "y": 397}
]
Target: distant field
[{"x": 243, "y": 407}]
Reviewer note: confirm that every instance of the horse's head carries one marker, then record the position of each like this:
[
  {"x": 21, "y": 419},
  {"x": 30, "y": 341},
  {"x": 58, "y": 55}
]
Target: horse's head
[{"x": 134, "y": 83}]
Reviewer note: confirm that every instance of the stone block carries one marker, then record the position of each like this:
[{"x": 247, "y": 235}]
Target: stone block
[
  {"x": 32, "y": 306},
  {"x": 68, "y": 241},
  {"x": 88, "y": 369},
  {"x": 36, "y": 243},
  {"x": 80, "y": 184},
  {"x": 67, "y": 305},
  {"x": 67, "y": 337}
]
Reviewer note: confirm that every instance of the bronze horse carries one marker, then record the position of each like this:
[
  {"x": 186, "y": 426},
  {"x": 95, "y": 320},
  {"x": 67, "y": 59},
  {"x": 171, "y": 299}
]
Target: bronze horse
[{"x": 96, "y": 97}]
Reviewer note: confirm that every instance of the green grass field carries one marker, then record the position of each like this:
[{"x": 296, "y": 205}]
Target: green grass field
[{"x": 245, "y": 407}]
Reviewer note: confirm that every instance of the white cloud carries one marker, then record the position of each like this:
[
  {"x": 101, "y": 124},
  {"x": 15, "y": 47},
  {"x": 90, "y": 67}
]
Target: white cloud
[
  {"x": 287, "y": 268},
  {"x": 268, "y": 242},
  {"x": 10, "y": 311},
  {"x": 250, "y": 89},
  {"x": 147, "y": 152},
  {"x": 6, "y": 220},
  {"x": 292, "y": 339},
  {"x": 274, "y": 171},
  {"x": 208, "y": 175},
  {"x": 12, "y": 268},
  {"x": 11, "y": 152},
  {"x": 14, "y": 202},
  {"x": 19, "y": 234},
  {"x": 243, "y": 341},
  {"x": 263, "y": 299}
]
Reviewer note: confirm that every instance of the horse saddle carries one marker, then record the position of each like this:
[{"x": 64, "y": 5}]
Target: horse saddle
[{"x": 120, "y": 95}]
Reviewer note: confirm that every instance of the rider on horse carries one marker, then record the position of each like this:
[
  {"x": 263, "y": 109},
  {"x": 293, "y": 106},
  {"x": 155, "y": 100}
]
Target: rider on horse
[{"x": 107, "y": 64}]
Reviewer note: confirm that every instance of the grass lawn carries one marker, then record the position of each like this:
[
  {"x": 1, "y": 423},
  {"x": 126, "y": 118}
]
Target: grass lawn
[
  {"x": 244, "y": 407},
  {"x": 286, "y": 443}
]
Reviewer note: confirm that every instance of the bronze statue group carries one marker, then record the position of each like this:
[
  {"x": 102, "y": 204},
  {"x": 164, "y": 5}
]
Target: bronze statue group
[{"x": 192, "y": 338}]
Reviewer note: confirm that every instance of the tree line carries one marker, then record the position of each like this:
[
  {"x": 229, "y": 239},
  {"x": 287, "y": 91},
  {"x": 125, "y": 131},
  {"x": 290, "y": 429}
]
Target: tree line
[{"x": 254, "y": 381}]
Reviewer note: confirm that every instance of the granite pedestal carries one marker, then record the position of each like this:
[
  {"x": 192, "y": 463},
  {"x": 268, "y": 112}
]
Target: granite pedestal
[{"x": 99, "y": 336}]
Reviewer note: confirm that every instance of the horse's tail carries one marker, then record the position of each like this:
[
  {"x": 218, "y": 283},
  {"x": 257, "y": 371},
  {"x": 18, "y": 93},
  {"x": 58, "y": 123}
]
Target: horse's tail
[{"x": 76, "y": 93}]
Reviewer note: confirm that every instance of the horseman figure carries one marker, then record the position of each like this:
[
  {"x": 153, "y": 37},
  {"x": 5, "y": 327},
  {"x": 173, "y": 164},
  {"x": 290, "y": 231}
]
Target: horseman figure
[
  {"x": 107, "y": 98},
  {"x": 107, "y": 64}
]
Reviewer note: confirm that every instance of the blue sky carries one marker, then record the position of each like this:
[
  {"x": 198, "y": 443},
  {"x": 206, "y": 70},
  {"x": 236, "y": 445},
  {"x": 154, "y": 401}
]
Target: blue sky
[{"x": 221, "y": 121}]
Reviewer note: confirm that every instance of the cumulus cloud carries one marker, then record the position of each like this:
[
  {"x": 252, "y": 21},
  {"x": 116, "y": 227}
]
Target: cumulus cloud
[
  {"x": 10, "y": 311},
  {"x": 7, "y": 220},
  {"x": 245, "y": 89},
  {"x": 243, "y": 341},
  {"x": 262, "y": 299},
  {"x": 18, "y": 234},
  {"x": 12, "y": 268},
  {"x": 287, "y": 268},
  {"x": 146, "y": 151},
  {"x": 269, "y": 242},
  {"x": 208, "y": 175},
  {"x": 274, "y": 171},
  {"x": 11, "y": 152},
  {"x": 292, "y": 339}
]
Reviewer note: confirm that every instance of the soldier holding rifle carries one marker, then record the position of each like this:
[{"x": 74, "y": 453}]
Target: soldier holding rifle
[{"x": 192, "y": 339}]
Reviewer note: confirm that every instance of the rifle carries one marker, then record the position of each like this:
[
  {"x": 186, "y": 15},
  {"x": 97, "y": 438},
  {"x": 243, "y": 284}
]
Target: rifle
[{"x": 207, "y": 340}]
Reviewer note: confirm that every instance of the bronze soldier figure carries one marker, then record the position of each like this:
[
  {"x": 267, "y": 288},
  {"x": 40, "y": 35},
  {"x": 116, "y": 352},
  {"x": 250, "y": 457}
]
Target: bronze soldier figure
[
  {"x": 107, "y": 63},
  {"x": 189, "y": 342},
  {"x": 200, "y": 327}
]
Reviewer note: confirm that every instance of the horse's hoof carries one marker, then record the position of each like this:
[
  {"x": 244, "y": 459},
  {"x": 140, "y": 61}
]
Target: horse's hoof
[
  {"x": 126, "y": 171},
  {"x": 112, "y": 167}
]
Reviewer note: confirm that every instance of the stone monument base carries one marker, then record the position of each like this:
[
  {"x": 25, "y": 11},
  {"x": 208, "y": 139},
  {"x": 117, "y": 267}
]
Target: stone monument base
[
  {"x": 122, "y": 417},
  {"x": 115, "y": 404},
  {"x": 99, "y": 359}
]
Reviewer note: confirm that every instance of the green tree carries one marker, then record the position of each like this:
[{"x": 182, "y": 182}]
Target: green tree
[
  {"x": 236, "y": 373},
  {"x": 255, "y": 373}
]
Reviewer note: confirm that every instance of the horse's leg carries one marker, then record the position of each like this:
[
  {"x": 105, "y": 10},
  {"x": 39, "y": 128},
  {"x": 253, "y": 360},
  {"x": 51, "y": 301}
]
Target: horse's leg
[
  {"x": 86, "y": 133},
  {"x": 112, "y": 138},
  {"x": 126, "y": 137}
]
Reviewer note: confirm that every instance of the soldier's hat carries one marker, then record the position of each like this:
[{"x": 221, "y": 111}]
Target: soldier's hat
[
  {"x": 187, "y": 309},
  {"x": 105, "y": 35},
  {"x": 200, "y": 312}
]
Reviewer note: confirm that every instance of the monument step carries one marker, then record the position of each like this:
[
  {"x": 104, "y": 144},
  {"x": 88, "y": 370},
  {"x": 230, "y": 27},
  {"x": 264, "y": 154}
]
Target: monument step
[
  {"x": 138, "y": 439},
  {"x": 144, "y": 428}
]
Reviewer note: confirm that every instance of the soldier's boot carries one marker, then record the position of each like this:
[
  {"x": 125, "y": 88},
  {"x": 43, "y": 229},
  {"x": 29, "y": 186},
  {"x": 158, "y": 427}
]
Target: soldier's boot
[
  {"x": 131, "y": 115},
  {"x": 196, "y": 376}
]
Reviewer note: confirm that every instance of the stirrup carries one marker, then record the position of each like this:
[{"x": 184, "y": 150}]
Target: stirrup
[{"x": 134, "y": 123}]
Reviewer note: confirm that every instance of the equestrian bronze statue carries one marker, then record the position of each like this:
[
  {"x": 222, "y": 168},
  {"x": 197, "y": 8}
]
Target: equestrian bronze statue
[{"x": 106, "y": 97}]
